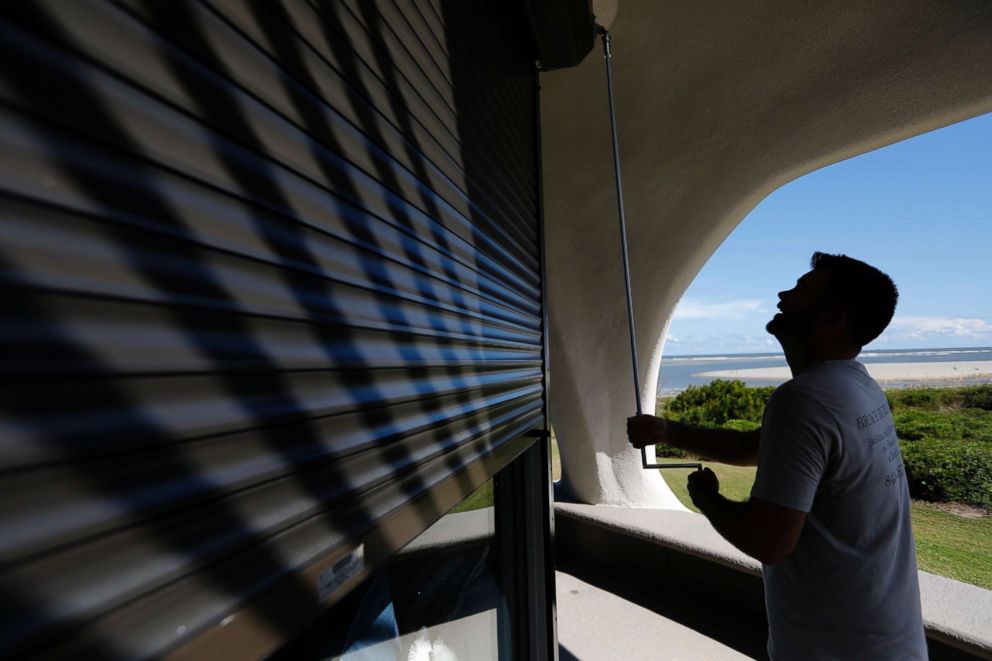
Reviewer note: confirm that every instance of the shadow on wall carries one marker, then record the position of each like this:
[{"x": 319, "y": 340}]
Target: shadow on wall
[{"x": 190, "y": 369}]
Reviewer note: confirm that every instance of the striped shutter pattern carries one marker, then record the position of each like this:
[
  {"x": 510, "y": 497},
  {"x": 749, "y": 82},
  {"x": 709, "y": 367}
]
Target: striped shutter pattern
[{"x": 271, "y": 293}]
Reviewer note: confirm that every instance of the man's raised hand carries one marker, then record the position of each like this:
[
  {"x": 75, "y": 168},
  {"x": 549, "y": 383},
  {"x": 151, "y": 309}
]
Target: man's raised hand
[{"x": 645, "y": 430}]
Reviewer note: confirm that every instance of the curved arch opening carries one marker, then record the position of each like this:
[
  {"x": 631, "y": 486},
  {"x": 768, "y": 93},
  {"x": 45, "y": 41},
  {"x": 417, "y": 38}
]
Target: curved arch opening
[{"x": 918, "y": 210}]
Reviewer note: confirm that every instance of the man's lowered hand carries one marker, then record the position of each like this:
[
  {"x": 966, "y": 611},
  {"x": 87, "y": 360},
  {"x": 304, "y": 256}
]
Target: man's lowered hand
[{"x": 703, "y": 487}]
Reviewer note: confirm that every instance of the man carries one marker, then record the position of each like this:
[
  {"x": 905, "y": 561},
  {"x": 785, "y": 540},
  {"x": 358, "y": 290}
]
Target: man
[{"x": 829, "y": 512}]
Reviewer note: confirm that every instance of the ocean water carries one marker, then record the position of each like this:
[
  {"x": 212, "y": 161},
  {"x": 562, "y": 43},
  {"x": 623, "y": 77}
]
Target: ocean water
[{"x": 679, "y": 372}]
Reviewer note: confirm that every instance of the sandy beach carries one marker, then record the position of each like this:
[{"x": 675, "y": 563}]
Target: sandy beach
[{"x": 974, "y": 371}]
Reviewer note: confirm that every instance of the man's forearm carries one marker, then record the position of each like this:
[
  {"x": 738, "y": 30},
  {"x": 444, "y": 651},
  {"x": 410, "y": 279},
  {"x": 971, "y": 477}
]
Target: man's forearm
[
  {"x": 732, "y": 520},
  {"x": 726, "y": 446},
  {"x": 762, "y": 529}
]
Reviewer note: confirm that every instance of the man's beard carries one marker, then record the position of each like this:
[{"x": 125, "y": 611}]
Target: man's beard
[{"x": 792, "y": 324}]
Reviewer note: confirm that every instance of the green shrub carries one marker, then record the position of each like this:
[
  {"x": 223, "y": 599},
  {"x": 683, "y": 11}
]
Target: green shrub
[
  {"x": 924, "y": 398},
  {"x": 945, "y": 433},
  {"x": 741, "y": 425},
  {"x": 915, "y": 424},
  {"x": 717, "y": 403},
  {"x": 727, "y": 404},
  {"x": 940, "y": 470},
  {"x": 948, "y": 453},
  {"x": 977, "y": 397},
  {"x": 953, "y": 425},
  {"x": 664, "y": 450},
  {"x": 934, "y": 399}
]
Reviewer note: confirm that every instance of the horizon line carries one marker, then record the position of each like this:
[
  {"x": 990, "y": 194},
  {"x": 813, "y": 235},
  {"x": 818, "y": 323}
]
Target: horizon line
[{"x": 665, "y": 356}]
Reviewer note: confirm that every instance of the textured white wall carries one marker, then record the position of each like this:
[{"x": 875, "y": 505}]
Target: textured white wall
[{"x": 719, "y": 103}]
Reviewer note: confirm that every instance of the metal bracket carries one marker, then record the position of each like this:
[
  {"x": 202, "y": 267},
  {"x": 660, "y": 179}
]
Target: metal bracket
[{"x": 645, "y": 464}]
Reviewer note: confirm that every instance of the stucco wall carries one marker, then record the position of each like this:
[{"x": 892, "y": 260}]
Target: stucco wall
[{"x": 718, "y": 104}]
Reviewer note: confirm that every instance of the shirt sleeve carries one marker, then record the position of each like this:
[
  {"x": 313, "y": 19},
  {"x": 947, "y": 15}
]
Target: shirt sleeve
[{"x": 792, "y": 456}]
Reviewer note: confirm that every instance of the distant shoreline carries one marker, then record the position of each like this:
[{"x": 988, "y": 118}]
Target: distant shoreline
[
  {"x": 867, "y": 353},
  {"x": 921, "y": 373}
]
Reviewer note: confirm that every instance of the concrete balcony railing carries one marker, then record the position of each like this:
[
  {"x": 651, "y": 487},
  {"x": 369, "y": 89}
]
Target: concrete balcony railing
[{"x": 706, "y": 597}]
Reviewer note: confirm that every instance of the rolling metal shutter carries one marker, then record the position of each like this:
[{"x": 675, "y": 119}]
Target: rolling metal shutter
[{"x": 271, "y": 291}]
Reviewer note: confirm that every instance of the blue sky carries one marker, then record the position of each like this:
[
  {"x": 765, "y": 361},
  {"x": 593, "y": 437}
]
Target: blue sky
[{"x": 920, "y": 210}]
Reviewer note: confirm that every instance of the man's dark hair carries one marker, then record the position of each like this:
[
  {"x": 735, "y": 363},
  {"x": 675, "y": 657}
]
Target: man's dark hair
[{"x": 867, "y": 295}]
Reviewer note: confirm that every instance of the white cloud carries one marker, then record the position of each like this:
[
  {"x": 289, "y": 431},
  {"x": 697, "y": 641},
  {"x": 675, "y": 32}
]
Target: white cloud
[
  {"x": 695, "y": 309},
  {"x": 937, "y": 331},
  {"x": 930, "y": 329}
]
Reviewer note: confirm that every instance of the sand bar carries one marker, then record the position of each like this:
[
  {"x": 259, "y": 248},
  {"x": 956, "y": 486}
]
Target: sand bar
[{"x": 970, "y": 370}]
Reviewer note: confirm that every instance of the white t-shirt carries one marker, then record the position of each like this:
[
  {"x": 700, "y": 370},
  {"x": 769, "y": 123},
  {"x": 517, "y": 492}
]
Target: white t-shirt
[{"x": 850, "y": 588}]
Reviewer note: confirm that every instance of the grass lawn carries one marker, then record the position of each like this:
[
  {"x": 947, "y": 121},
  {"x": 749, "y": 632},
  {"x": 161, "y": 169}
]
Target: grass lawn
[
  {"x": 555, "y": 461},
  {"x": 483, "y": 496},
  {"x": 953, "y": 546},
  {"x": 946, "y": 544}
]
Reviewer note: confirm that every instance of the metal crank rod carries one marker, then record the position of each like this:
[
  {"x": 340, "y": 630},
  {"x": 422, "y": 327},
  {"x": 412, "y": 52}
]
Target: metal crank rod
[{"x": 608, "y": 56}]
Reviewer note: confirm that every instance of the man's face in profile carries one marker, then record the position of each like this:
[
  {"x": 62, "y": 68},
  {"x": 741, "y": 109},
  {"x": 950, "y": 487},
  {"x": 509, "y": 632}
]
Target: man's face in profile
[{"x": 799, "y": 307}]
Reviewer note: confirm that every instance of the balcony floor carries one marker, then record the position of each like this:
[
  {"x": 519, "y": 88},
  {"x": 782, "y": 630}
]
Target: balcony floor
[{"x": 594, "y": 624}]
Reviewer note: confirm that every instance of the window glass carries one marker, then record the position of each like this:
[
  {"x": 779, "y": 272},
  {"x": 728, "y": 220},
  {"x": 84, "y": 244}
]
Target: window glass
[{"x": 438, "y": 598}]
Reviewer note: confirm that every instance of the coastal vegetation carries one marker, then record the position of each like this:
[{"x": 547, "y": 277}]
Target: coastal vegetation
[
  {"x": 946, "y": 439},
  {"x": 720, "y": 404},
  {"x": 945, "y": 435}
]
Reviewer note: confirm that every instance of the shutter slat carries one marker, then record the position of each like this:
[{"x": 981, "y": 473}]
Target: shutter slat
[
  {"x": 140, "y": 124},
  {"x": 271, "y": 290}
]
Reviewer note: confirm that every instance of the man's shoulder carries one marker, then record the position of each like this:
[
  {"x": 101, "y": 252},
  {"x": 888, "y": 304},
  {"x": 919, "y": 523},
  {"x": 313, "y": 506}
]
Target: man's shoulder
[
  {"x": 831, "y": 394},
  {"x": 791, "y": 391},
  {"x": 832, "y": 379},
  {"x": 793, "y": 407},
  {"x": 808, "y": 395}
]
